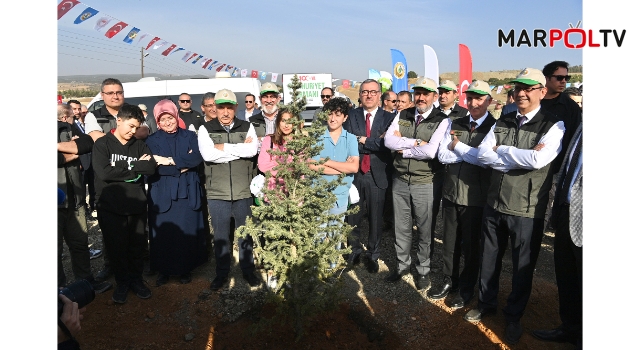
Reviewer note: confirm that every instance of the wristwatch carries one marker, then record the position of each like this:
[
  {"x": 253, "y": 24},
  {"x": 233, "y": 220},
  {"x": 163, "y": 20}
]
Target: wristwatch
[{"x": 418, "y": 142}]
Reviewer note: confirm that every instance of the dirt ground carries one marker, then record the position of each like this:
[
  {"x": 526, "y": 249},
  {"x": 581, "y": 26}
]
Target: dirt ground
[{"x": 373, "y": 315}]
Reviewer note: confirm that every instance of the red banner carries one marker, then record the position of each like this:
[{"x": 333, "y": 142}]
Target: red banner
[
  {"x": 254, "y": 74},
  {"x": 153, "y": 41},
  {"x": 115, "y": 29},
  {"x": 466, "y": 73},
  {"x": 65, "y": 6},
  {"x": 169, "y": 49},
  {"x": 345, "y": 84}
]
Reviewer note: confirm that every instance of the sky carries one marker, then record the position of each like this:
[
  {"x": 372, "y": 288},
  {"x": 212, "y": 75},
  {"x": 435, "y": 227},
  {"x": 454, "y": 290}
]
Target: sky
[{"x": 344, "y": 38}]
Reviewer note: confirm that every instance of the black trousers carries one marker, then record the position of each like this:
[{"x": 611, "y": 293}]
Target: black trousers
[
  {"x": 438, "y": 183},
  {"x": 461, "y": 236},
  {"x": 568, "y": 265},
  {"x": 371, "y": 198},
  {"x": 526, "y": 237},
  {"x": 125, "y": 240},
  {"x": 72, "y": 228}
]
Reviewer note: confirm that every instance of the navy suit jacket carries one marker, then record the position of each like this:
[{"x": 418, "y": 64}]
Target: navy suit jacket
[
  {"x": 508, "y": 109},
  {"x": 380, "y": 155}
]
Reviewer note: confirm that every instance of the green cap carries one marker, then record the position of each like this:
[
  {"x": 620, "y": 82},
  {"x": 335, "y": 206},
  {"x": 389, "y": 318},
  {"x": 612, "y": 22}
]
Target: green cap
[
  {"x": 225, "y": 96},
  {"x": 530, "y": 76},
  {"x": 479, "y": 87},
  {"x": 426, "y": 83},
  {"x": 448, "y": 85},
  {"x": 269, "y": 87}
]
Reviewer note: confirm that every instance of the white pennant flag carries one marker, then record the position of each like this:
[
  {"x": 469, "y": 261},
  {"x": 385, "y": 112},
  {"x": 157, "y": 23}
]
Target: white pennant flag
[
  {"x": 156, "y": 46},
  {"x": 499, "y": 89},
  {"x": 243, "y": 73},
  {"x": 274, "y": 77},
  {"x": 102, "y": 22}
]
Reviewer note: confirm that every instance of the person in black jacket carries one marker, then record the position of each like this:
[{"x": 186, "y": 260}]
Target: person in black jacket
[{"x": 120, "y": 161}]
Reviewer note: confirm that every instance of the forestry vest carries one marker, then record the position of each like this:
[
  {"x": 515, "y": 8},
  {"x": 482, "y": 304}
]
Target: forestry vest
[
  {"x": 521, "y": 192},
  {"x": 465, "y": 183},
  {"x": 228, "y": 181},
  {"x": 415, "y": 171},
  {"x": 105, "y": 119}
]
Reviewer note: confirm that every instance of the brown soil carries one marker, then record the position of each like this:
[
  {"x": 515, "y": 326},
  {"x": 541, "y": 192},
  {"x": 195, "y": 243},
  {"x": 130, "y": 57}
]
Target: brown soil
[{"x": 384, "y": 317}]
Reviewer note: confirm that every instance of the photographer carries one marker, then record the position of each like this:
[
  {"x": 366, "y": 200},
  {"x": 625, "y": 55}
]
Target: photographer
[{"x": 69, "y": 324}]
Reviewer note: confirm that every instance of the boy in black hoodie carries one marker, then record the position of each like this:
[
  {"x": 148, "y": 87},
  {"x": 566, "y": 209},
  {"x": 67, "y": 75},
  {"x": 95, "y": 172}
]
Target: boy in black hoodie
[{"x": 120, "y": 161}]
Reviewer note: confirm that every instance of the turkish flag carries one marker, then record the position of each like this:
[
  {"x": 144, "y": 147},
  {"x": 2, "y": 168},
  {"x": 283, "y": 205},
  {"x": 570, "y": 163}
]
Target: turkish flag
[
  {"x": 65, "y": 6},
  {"x": 220, "y": 68},
  {"x": 345, "y": 84},
  {"x": 465, "y": 73},
  {"x": 153, "y": 41},
  {"x": 254, "y": 74},
  {"x": 115, "y": 29},
  {"x": 169, "y": 49}
]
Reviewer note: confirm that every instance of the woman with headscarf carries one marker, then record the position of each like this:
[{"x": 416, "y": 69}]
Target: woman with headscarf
[{"x": 177, "y": 232}]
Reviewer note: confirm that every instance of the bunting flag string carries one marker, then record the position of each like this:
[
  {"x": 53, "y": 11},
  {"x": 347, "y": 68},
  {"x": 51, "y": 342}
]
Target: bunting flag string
[{"x": 106, "y": 21}]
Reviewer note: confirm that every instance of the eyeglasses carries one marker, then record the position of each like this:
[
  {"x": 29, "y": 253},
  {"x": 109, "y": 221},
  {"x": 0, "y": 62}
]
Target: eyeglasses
[
  {"x": 528, "y": 89},
  {"x": 185, "y": 101},
  {"x": 248, "y": 101},
  {"x": 562, "y": 77},
  {"x": 110, "y": 93},
  {"x": 369, "y": 92},
  {"x": 325, "y": 96},
  {"x": 393, "y": 101}
]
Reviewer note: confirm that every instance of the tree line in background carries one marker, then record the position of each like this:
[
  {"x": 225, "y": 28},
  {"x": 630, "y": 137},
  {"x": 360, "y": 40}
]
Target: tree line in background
[{"x": 75, "y": 93}]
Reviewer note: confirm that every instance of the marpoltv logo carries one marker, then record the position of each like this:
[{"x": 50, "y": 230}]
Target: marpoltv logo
[{"x": 572, "y": 37}]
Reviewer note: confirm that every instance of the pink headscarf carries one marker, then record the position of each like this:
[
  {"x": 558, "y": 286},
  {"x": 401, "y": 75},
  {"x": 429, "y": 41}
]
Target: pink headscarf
[{"x": 167, "y": 106}]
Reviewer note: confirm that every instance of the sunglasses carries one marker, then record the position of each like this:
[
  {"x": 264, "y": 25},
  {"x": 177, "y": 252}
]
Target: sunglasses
[
  {"x": 248, "y": 101},
  {"x": 393, "y": 101},
  {"x": 562, "y": 77},
  {"x": 184, "y": 101},
  {"x": 325, "y": 96}
]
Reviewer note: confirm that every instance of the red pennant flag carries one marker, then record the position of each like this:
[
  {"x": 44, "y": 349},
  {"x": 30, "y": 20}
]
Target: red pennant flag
[
  {"x": 169, "y": 49},
  {"x": 220, "y": 68},
  {"x": 65, "y": 6},
  {"x": 206, "y": 63},
  {"x": 465, "y": 73},
  {"x": 153, "y": 41},
  {"x": 192, "y": 56},
  {"x": 254, "y": 74},
  {"x": 115, "y": 29},
  {"x": 345, "y": 84}
]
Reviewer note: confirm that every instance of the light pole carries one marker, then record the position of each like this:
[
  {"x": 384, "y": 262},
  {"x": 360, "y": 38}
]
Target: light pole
[{"x": 142, "y": 56}]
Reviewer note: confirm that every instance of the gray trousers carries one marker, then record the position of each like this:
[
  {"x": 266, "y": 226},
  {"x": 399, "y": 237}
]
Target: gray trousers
[{"x": 417, "y": 199}]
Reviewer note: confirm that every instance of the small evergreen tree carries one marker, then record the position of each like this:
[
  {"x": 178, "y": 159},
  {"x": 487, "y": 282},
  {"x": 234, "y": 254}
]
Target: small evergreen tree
[{"x": 299, "y": 237}]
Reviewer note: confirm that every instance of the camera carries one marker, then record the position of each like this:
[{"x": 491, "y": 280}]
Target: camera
[{"x": 80, "y": 292}]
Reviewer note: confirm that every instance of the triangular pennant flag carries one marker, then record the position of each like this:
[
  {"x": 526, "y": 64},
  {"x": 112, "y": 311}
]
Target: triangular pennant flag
[
  {"x": 243, "y": 73},
  {"x": 88, "y": 13},
  {"x": 140, "y": 37},
  {"x": 263, "y": 75},
  {"x": 157, "y": 46},
  {"x": 168, "y": 50},
  {"x": 190, "y": 57},
  {"x": 186, "y": 56},
  {"x": 65, "y": 6},
  {"x": 254, "y": 74},
  {"x": 115, "y": 29},
  {"x": 220, "y": 68},
  {"x": 196, "y": 60},
  {"x": 133, "y": 33},
  {"x": 213, "y": 64},
  {"x": 153, "y": 41},
  {"x": 274, "y": 77},
  {"x": 176, "y": 50},
  {"x": 227, "y": 69},
  {"x": 206, "y": 63},
  {"x": 235, "y": 72},
  {"x": 102, "y": 22}
]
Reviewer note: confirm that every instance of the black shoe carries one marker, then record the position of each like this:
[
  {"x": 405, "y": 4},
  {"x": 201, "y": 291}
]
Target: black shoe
[
  {"x": 138, "y": 287},
  {"x": 396, "y": 275},
  {"x": 100, "y": 287},
  {"x": 251, "y": 278},
  {"x": 161, "y": 280},
  {"x": 218, "y": 282},
  {"x": 477, "y": 314},
  {"x": 104, "y": 274},
  {"x": 353, "y": 260},
  {"x": 513, "y": 332},
  {"x": 372, "y": 266},
  {"x": 440, "y": 292},
  {"x": 120, "y": 293},
  {"x": 458, "y": 302},
  {"x": 557, "y": 335},
  {"x": 422, "y": 282},
  {"x": 185, "y": 278}
]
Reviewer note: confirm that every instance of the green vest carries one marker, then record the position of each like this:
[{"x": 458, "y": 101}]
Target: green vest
[
  {"x": 465, "y": 183},
  {"x": 228, "y": 181},
  {"x": 414, "y": 171},
  {"x": 521, "y": 192}
]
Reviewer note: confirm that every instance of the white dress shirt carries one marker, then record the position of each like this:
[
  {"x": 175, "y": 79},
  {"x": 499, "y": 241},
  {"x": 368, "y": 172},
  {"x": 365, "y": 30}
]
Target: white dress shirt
[
  {"x": 461, "y": 152},
  {"x": 231, "y": 152},
  {"x": 427, "y": 150}
]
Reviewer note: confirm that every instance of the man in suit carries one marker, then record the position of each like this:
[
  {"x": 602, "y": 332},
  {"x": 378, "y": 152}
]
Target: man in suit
[
  {"x": 511, "y": 104},
  {"x": 369, "y": 124},
  {"x": 250, "y": 106},
  {"x": 566, "y": 216},
  {"x": 520, "y": 148},
  {"x": 414, "y": 137}
]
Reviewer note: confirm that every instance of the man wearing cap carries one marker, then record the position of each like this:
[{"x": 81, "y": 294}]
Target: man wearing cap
[
  {"x": 228, "y": 144},
  {"x": 265, "y": 122},
  {"x": 447, "y": 96},
  {"x": 497, "y": 110},
  {"x": 390, "y": 101},
  {"x": 325, "y": 95},
  {"x": 369, "y": 124},
  {"x": 519, "y": 148},
  {"x": 188, "y": 115},
  {"x": 149, "y": 120},
  {"x": 465, "y": 190},
  {"x": 414, "y": 136}
]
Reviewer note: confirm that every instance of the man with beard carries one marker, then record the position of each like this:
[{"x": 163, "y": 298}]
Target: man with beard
[{"x": 265, "y": 122}]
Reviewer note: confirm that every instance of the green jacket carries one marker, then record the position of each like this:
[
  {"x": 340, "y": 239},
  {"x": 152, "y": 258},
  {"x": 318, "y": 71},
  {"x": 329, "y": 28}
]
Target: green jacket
[
  {"x": 521, "y": 192},
  {"x": 228, "y": 181},
  {"x": 414, "y": 171},
  {"x": 465, "y": 183}
]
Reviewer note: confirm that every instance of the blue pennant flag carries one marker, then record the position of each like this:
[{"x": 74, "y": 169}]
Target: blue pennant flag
[
  {"x": 399, "y": 64},
  {"x": 133, "y": 33},
  {"x": 263, "y": 75},
  {"x": 85, "y": 15}
]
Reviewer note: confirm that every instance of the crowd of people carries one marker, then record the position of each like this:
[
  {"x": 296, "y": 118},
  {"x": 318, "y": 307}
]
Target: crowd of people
[{"x": 497, "y": 180}]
